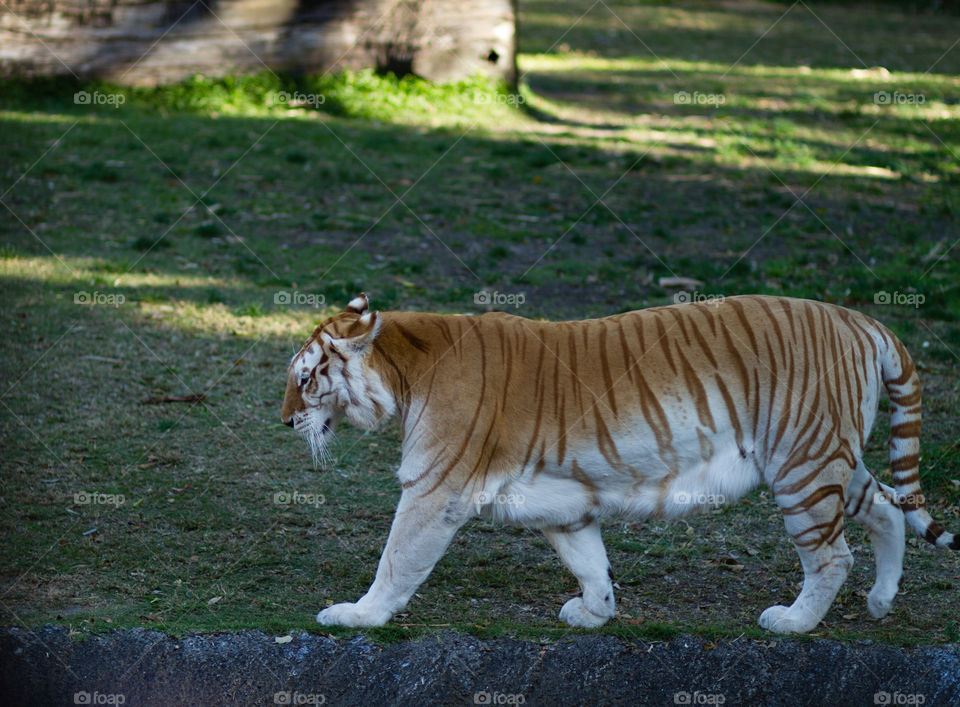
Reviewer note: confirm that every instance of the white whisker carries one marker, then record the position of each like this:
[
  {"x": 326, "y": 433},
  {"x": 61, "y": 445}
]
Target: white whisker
[{"x": 317, "y": 440}]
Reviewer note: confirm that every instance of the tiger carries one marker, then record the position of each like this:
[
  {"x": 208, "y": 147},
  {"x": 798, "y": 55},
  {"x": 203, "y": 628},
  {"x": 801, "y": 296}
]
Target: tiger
[{"x": 645, "y": 414}]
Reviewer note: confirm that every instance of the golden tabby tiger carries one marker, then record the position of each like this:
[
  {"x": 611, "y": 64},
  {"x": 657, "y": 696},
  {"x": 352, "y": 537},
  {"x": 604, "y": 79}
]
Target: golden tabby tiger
[{"x": 648, "y": 413}]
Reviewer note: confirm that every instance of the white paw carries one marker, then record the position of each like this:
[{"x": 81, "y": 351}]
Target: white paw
[
  {"x": 348, "y": 614},
  {"x": 880, "y": 601},
  {"x": 575, "y": 613},
  {"x": 786, "y": 619}
]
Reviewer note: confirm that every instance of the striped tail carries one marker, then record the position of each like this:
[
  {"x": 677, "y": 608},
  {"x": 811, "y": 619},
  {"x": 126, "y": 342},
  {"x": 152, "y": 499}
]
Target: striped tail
[{"x": 903, "y": 387}]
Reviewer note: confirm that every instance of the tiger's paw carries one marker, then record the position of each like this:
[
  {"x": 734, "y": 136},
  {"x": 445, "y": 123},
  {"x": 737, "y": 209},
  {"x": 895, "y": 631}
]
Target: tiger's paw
[
  {"x": 880, "y": 601},
  {"x": 575, "y": 613},
  {"x": 347, "y": 614},
  {"x": 787, "y": 619}
]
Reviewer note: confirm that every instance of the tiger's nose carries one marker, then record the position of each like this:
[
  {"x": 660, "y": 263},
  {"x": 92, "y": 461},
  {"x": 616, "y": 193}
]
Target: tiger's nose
[{"x": 289, "y": 422}]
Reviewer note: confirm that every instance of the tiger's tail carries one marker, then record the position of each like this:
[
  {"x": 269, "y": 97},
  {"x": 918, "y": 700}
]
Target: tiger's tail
[{"x": 903, "y": 386}]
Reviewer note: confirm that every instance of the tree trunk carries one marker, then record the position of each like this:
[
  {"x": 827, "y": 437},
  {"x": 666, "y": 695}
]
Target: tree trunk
[{"x": 153, "y": 42}]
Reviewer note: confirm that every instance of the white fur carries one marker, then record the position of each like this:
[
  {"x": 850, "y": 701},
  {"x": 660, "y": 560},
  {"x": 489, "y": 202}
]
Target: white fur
[
  {"x": 351, "y": 389},
  {"x": 358, "y": 303}
]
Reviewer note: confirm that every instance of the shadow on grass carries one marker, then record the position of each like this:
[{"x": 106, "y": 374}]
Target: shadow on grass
[
  {"x": 814, "y": 34},
  {"x": 249, "y": 207}
]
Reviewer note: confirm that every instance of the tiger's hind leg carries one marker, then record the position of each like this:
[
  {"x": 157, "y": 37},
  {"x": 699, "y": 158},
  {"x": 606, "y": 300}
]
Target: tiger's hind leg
[
  {"x": 581, "y": 550},
  {"x": 814, "y": 518},
  {"x": 870, "y": 503}
]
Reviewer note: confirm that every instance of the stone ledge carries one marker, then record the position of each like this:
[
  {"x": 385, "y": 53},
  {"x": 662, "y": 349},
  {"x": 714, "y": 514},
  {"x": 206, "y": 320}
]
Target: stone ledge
[{"x": 46, "y": 666}]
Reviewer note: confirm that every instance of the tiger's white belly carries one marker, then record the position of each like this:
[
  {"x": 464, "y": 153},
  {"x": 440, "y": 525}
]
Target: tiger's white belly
[{"x": 554, "y": 496}]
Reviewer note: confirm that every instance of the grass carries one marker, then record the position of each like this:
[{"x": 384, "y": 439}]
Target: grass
[{"x": 188, "y": 239}]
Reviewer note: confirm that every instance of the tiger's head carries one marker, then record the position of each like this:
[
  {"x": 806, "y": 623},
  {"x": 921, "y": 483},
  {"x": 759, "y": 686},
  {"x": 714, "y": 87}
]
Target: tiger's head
[{"x": 333, "y": 376}]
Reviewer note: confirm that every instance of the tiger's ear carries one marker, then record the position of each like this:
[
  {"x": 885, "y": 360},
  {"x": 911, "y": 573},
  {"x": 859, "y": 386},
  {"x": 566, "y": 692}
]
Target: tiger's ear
[
  {"x": 359, "y": 304},
  {"x": 360, "y": 336}
]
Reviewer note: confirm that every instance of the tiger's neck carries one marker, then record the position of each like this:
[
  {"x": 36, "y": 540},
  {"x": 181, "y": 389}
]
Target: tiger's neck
[{"x": 404, "y": 349}]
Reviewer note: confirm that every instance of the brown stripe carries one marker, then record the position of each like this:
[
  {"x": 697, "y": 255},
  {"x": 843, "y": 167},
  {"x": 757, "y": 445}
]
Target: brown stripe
[
  {"x": 906, "y": 429},
  {"x": 444, "y": 329},
  {"x": 705, "y": 348},
  {"x": 825, "y": 533},
  {"x": 698, "y": 392},
  {"x": 788, "y": 402},
  {"x": 918, "y": 505},
  {"x": 605, "y": 442},
  {"x": 562, "y": 431},
  {"x": 808, "y": 502},
  {"x": 659, "y": 423},
  {"x": 628, "y": 360},
  {"x": 756, "y": 403},
  {"x": 412, "y": 339},
  {"x": 904, "y": 463},
  {"x": 575, "y": 383},
  {"x": 913, "y": 477},
  {"x": 664, "y": 343},
  {"x": 906, "y": 366},
  {"x": 742, "y": 372},
  {"x": 737, "y": 307},
  {"x": 605, "y": 372},
  {"x": 863, "y": 495},
  {"x": 907, "y": 400},
  {"x": 776, "y": 325},
  {"x": 541, "y": 460},
  {"x": 540, "y": 401},
  {"x": 731, "y": 409}
]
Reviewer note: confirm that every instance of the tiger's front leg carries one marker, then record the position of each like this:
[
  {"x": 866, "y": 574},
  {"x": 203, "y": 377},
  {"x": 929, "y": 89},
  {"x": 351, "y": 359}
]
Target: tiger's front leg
[
  {"x": 421, "y": 531},
  {"x": 581, "y": 550}
]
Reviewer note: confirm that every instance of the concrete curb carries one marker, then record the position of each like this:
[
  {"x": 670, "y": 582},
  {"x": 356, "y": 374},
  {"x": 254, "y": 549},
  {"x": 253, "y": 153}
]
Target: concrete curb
[{"x": 139, "y": 667}]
